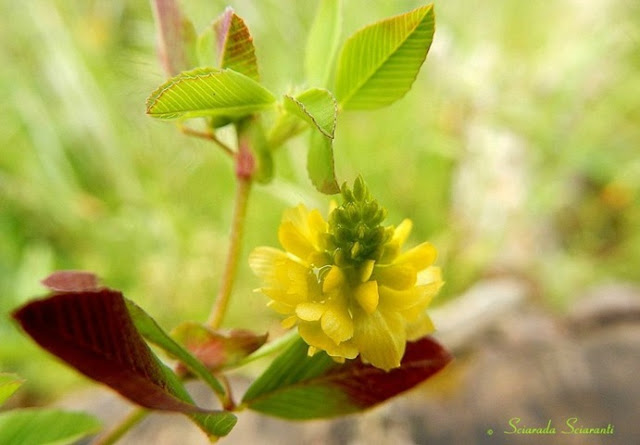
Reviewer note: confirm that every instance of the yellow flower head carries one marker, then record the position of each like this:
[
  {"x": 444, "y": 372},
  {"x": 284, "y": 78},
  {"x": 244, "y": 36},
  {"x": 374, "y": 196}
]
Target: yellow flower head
[{"x": 346, "y": 283}]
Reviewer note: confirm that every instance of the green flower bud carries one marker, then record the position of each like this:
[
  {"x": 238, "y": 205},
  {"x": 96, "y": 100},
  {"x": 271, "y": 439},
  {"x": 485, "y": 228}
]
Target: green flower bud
[{"x": 355, "y": 229}]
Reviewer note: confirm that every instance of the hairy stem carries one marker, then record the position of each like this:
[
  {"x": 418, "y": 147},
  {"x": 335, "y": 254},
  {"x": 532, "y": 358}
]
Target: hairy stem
[
  {"x": 134, "y": 417},
  {"x": 245, "y": 167},
  {"x": 233, "y": 254}
]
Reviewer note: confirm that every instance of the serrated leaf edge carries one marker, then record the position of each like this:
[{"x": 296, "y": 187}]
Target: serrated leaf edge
[
  {"x": 198, "y": 73},
  {"x": 315, "y": 122},
  {"x": 427, "y": 9}
]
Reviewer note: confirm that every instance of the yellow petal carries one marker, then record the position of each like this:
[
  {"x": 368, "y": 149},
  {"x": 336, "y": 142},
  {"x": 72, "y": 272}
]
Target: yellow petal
[
  {"x": 337, "y": 323},
  {"x": 420, "y": 257},
  {"x": 281, "y": 308},
  {"x": 380, "y": 338},
  {"x": 262, "y": 261},
  {"x": 310, "y": 311},
  {"x": 301, "y": 231},
  {"x": 317, "y": 226},
  {"x": 401, "y": 233},
  {"x": 419, "y": 328},
  {"x": 366, "y": 270},
  {"x": 367, "y": 296},
  {"x": 314, "y": 336},
  {"x": 392, "y": 247},
  {"x": 396, "y": 276},
  {"x": 431, "y": 274},
  {"x": 289, "y": 322},
  {"x": 283, "y": 298},
  {"x": 297, "y": 215},
  {"x": 294, "y": 241},
  {"x": 402, "y": 300},
  {"x": 333, "y": 280},
  {"x": 275, "y": 267}
]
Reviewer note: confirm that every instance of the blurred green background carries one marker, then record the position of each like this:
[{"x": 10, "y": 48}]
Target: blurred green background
[{"x": 516, "y": 153}]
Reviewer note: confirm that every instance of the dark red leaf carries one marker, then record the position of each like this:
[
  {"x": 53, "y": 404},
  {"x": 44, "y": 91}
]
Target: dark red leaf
[
  {"x": 71, "y": 281},
  {"x": 217, "y": 349},
  {"x": 92, "y": 331},
  {"x": 367, "y": 386},
  {"x": 296, "y": 386}
]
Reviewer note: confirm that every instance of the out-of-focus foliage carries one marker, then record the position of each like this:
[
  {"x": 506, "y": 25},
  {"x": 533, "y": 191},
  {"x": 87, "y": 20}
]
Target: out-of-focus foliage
[{"x": 516, "y": 152}]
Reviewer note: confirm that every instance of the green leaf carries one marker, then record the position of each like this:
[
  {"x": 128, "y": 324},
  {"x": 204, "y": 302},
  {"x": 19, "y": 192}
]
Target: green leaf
[
  {"x": 320, "y": 163},
  {"x": 316, "y": 106},
  {"x": 285, "y": 127},
  {"x": 45, "y": 427},
  {"x": 235, "y": 45},
  {"x": 379, "y": 63},
  {"x": 9, "y": 383},
  {"x": 322, "y": 42},
  {"x": 217, "y": 424},
  {"x": 208, "y": 92},
  {"x": 297, "y": 386},
  {"x": 206, "y": 47},
  {"x": 176, "y": 37},
  {"x": 150, "y": 330}
]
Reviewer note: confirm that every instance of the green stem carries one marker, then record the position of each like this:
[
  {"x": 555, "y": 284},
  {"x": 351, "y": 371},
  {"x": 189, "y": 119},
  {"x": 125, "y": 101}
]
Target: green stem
[
  {"x": 208, "y": 135},
  {"x": 233, "y": 254},
  {"x": 134, "y": 417}
]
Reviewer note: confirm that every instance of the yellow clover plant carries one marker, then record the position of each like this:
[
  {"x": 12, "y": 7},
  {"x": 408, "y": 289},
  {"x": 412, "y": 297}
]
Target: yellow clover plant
[{"x": 346, "y": 283}]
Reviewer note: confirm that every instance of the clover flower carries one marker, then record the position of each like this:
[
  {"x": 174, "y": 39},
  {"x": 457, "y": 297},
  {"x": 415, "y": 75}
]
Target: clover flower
[{"x": 346, "y": 283}]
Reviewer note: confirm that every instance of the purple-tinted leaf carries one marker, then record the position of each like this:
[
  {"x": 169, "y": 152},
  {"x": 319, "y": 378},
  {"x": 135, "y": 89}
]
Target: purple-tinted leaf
[
  {"x": 92, "y": 331},
  {"x": 71, "y": 281},
  {"x": 235, "y": 45},
  {"x": 296, "y": 386},
  {"x": 175, "y": 36},
  {"x": 152, "y": 332},
  {"x": 217, "y": 350}
]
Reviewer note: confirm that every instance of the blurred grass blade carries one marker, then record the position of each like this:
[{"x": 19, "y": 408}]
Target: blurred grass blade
[
  {"x": 322, "y": 42},
  {"x": 235, "y": 45},
  {"x": 45, "y": 427},
  {"x": 9, "y": 383},
  {"x": 320, "y": 165},
  {"x": 316, "y": 106},
  {"x": 175, "y": 37},
  {"x": 379, "y": 63},
  {"x": 297, "y": 386},
  {"x": 208, "y": 92}
]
